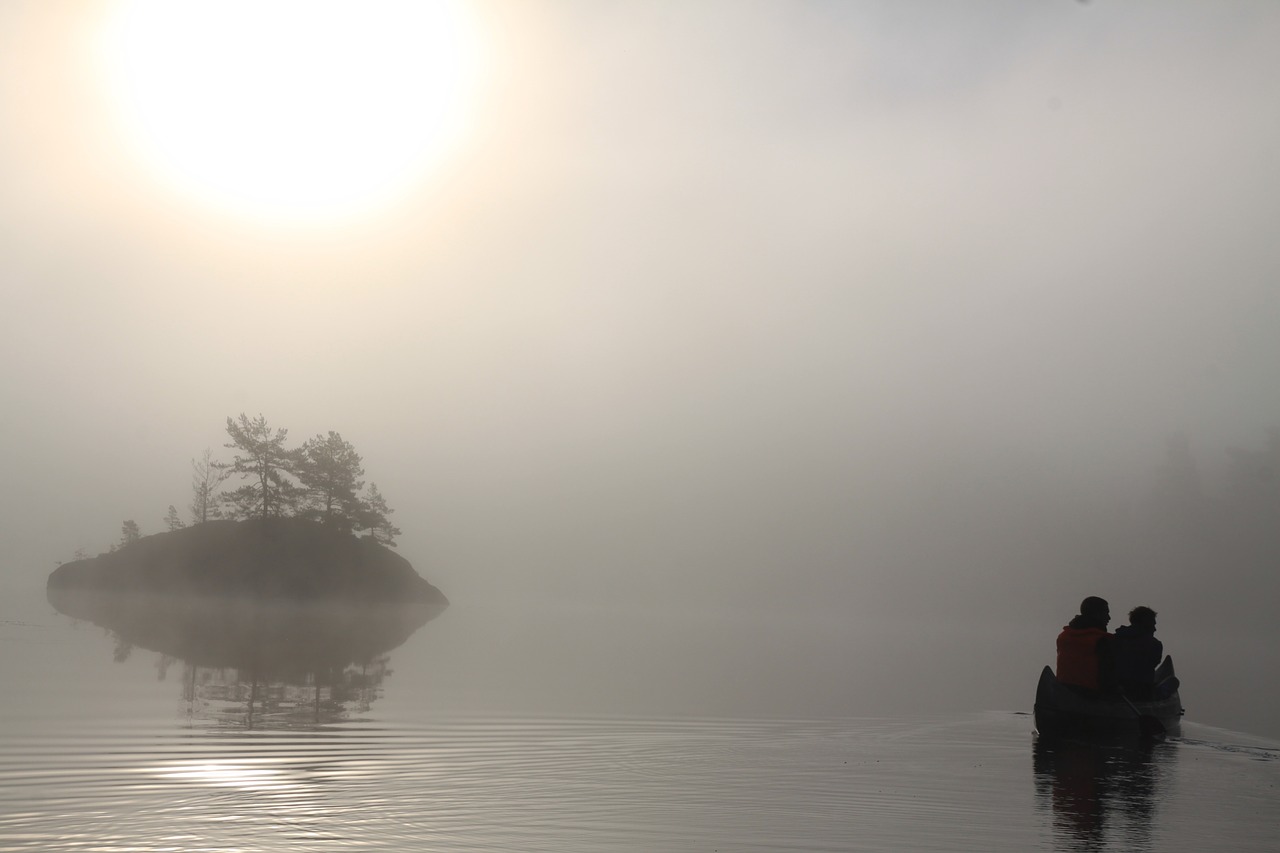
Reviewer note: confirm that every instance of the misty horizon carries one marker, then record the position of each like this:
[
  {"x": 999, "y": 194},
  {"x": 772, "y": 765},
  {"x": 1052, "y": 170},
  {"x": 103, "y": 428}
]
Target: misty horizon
[{"x": 856, "y": 310}]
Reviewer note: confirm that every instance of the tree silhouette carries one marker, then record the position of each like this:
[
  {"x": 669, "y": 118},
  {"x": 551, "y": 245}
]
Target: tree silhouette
[
  {"x": 376, "y": 517},
  {"x": 206, "y": 477},
  {"x": 262, "y": 458},
  {"x": 129, "y": 532},
  {"x": 330, "y": 469}
]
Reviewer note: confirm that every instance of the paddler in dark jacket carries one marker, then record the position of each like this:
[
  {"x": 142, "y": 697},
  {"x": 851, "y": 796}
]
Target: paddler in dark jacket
[
  {"x": 1085, "y": 659},
  {"x": 1137, "y": 653}
]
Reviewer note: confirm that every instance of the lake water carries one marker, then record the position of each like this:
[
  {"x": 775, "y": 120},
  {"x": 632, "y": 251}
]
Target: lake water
[{"x": 501, "y": 728}]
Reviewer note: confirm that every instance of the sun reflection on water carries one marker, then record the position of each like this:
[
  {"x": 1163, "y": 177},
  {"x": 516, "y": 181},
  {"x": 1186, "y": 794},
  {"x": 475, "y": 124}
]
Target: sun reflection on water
[{"x": 229, "y": 774}]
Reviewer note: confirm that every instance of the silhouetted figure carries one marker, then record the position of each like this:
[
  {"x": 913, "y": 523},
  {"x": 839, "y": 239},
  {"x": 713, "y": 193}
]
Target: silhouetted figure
[
  {"x": 1085, "y": 661},
  {"x": 1137, "y": 654}
]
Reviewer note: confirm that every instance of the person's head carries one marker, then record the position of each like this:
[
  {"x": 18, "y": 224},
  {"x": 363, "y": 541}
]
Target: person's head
[
  {"x": 1096, "y": 610},
  {"x": 1142, "y": 617}
]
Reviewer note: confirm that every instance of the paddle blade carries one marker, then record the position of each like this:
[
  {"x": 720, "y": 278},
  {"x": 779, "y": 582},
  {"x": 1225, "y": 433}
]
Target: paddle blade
[{"x": 1150, "y": 727}]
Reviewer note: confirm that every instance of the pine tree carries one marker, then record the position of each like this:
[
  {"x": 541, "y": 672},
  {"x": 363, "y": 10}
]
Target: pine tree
[
  {"x": 267, "y": 463},
  {"x": 129, "y": 532},
  {"x": 330, "y": 469},
  {"x": 172, "y": 520},
  {"x": 376, "y": 517}
]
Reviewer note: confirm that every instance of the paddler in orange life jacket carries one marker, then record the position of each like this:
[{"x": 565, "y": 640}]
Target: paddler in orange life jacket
[{"x": 1085, "y": 659}]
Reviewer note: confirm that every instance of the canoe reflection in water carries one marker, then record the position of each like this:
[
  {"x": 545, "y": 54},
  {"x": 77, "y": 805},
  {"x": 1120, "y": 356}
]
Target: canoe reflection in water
[
  {"x": 1102, "y": 795},
  {"x": 258, "y": 664}
]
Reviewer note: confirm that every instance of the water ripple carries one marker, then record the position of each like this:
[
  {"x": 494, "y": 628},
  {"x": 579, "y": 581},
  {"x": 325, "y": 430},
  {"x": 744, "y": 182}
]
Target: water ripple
[
  {"x": 535, "y": 784},
  {"x": 468, "y": 784}
]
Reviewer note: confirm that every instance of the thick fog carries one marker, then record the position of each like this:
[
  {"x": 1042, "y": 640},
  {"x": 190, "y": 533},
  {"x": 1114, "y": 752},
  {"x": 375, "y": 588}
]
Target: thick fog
[{"x": 936, "y": 313}]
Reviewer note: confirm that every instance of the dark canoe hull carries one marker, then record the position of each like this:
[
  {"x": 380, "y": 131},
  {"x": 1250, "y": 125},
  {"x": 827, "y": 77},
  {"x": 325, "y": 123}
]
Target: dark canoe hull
[{"x": 1062, "y": 712}]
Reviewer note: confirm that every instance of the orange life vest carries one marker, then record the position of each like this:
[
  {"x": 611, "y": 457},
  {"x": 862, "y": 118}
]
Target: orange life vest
[{"x": 1078, "y": 656}]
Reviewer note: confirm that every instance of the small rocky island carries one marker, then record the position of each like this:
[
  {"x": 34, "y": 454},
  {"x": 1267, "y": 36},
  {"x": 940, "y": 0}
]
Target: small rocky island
[
  {"x": 272, "y": 559},
  {"x": 273, "y": 597},
  {"x": 286, "y": 534},
  {"x": 287, "y": 578}
]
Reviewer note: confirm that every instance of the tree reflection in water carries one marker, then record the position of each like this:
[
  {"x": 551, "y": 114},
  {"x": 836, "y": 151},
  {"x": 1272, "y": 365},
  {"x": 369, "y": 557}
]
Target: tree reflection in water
[
  {"x": 240, "y": 699},
  {"x": 258, "y": 664},
  {"x": 1101, "y": 794}
]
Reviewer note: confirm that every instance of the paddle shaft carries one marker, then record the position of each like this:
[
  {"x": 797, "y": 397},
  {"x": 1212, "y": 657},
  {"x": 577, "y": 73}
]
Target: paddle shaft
[{"x": 1148, "y": 724}]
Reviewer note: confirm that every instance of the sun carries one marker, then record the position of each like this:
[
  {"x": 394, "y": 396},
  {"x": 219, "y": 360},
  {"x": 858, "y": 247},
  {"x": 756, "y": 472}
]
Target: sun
[{"x": 291, "y": 111}]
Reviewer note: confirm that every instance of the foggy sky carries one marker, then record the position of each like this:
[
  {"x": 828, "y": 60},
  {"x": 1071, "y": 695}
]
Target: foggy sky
[{"x": 762, "y": 301}]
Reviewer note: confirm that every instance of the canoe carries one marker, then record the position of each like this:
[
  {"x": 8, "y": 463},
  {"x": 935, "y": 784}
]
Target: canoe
[{"x": 1061, "y": 711}]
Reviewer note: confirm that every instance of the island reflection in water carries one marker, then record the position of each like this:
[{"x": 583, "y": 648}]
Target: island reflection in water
[
  {"x": 258, "y": 664},
  {"x": 1101, "y": 795}
]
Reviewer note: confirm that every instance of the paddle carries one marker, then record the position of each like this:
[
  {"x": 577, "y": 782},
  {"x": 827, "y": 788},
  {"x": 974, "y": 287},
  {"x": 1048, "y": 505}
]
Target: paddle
[{"x": 1150, "y": 727}]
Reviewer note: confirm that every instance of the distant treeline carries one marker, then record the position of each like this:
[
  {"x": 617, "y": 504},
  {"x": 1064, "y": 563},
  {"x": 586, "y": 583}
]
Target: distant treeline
[{"x": 320, "y": 480}]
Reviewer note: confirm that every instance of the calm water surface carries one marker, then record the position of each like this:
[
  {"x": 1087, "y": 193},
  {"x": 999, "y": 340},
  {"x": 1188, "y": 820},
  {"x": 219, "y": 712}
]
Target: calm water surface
[{"x": 112, "y": 748}]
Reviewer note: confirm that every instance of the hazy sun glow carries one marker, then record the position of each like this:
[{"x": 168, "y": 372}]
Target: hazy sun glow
[{"x": 291, "y": 110}]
